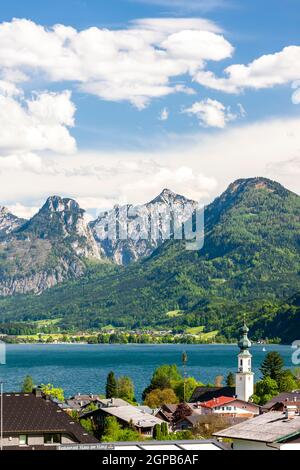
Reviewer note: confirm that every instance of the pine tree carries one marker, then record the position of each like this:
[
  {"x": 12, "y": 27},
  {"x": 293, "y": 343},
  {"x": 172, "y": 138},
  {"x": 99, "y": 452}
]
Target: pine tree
[
  {"x": 272, "y": 366},
  {"x": 164, "y": 429},
  {"x": 111, "y": 386},
  {"x": 157, "y": 434}
]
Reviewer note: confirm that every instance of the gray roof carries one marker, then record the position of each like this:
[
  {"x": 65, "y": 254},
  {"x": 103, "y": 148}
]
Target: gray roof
[
  {"x": 114, "y": 402},
  {"x": 269, "y": 427},
  {"x": 133, "y": 414},
  {"x": 283, "y": 397},
  {"x": 147, "y": 409}
]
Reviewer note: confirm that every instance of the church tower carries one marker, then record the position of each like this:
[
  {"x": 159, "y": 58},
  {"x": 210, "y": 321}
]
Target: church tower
[{"x": 244, "y": 384}]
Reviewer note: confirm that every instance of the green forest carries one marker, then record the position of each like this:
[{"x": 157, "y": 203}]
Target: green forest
[{"x": 249, "y": 265}]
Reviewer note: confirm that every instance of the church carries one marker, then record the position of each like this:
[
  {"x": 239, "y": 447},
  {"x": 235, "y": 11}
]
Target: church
[{"x": 244, "y": 378}]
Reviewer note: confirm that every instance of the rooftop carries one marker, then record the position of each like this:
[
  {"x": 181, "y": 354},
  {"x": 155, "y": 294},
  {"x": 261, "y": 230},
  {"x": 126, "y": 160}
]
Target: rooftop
[
  {"x": 25, "y": 413},
  {"x": 269, "y": 427},
  {"x": 133, "y": 414},
  {"x": 217, "y": 402},
  {"x": 112, "y": 402},
  {"x": 283, "y": 397}
]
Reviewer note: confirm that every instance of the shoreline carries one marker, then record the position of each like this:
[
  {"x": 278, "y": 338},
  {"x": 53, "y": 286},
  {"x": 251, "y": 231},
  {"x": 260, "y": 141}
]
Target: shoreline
[{"x": 138, "y": 344}]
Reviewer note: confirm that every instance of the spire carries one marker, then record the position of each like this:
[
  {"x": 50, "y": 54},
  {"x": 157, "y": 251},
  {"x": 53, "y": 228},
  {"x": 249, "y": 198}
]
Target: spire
[{"x": 244, "y": 343}]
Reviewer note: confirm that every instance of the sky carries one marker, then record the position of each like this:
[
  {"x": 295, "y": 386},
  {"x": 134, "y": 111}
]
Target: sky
[{"x": 111, "y": 102}]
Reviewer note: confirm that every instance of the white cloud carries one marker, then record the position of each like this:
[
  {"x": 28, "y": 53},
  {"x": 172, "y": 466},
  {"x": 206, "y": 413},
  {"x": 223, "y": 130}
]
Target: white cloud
[
  {"x": 9, "y": 89},
  {"x": 267, "y": 71},
  {"x": 22, "y": 211},
  {"x": 211, "y": 113},
  {"x": 197, "y": 46},
  {"x": 134, "y": 64},
  {"x": 27, "y": 162},
  {"x": 174, "y": 25},
  {"x": 164, "y": 114},
  {"x": 36, "y": 124},
  {"x": 211, "y": 162}
]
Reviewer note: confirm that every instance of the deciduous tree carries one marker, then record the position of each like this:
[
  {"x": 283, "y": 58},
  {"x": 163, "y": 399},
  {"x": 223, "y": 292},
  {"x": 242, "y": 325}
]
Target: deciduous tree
[{"x": 157, "y": 397}]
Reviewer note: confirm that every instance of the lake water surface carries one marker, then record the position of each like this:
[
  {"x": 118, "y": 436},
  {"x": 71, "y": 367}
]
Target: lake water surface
[{"x": 84, "y": 368}]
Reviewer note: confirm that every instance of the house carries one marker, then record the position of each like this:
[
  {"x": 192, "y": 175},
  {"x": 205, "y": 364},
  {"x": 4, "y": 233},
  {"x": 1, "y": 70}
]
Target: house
[
  {"x": 166, "y": 412},
  {"x": 282, "y": 400},
  {"x": 226, "y": 406},
  {"x": 269, "y": 431},
  {"x": 30, "y": 421},
  {"x": 79, "y": 401},
  {"x": 104, "y": 403},
  {"x": 127, "y": 415},
  {"x": 207, "y": 423},
  {"x": 111, "y": 402}
]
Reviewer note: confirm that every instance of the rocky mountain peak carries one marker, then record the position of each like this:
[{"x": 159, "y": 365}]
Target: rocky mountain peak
[
  {"x": 59, "y": 204},
  {"x": 256, "y": 183},
  {"x": 8, "y": 222},
  {"x": 168, "y": 197}
]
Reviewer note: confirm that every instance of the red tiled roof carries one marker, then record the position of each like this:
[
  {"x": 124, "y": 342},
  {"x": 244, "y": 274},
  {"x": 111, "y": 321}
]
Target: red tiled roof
[{"x": 221, "y": 401}]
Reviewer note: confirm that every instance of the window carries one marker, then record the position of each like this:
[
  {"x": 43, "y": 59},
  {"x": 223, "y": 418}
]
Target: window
[
  {"x": 23, "y": 440},
  {"x": 52, "y": 439}
]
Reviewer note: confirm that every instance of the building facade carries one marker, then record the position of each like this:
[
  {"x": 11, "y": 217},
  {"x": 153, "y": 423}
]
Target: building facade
[{"x": 244, "y": 377}]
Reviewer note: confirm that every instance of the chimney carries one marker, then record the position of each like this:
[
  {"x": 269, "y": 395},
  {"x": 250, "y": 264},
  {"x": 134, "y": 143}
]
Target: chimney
[
  {"x": 38, "y": 392},
  {"x": 290, "y": 412}
]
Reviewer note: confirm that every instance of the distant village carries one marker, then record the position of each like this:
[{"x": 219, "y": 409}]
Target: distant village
[{"x": 240, "y": 415}]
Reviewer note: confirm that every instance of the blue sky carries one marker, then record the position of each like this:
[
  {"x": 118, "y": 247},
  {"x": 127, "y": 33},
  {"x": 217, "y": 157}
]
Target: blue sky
[{"x": 137, "y": 142}]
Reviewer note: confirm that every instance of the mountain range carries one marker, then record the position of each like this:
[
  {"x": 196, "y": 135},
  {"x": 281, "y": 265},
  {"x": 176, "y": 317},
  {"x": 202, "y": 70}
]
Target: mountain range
[
  {"x": 57, "y": 243},
  {"x": 249, "y": 264}
]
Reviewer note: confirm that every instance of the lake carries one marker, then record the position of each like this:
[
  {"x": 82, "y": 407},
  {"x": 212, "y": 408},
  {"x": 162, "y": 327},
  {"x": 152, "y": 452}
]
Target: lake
[{"x": 84, "y": 368}]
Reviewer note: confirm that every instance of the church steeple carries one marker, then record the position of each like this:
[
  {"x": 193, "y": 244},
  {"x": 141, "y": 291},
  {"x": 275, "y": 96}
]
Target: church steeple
[
  {"x": 244, "y": 376},
  {"x": 245, "y": 343}
]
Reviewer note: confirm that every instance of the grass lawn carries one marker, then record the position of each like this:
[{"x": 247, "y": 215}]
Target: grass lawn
[{"x": 174, "y": 314}]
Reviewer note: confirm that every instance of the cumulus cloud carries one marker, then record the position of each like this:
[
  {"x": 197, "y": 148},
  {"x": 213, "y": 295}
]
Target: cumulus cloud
[
  {"x": 37, "y": 124},
  {"x": 211, "y": 113},
  {"x": 134, "y": 64},
  {"x": 99, "y": 180},
  {"x": 267, "y": 71}
]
